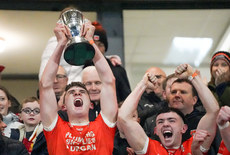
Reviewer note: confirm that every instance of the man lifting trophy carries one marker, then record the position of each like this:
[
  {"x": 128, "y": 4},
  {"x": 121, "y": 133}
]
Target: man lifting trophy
[{"x": 78, "y": 49}]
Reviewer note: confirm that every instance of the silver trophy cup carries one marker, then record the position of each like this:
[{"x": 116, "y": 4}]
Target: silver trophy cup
[{"x": 78, "y": 49}]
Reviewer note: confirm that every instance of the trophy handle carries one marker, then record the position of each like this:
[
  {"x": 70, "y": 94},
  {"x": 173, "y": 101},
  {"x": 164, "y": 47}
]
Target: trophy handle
[{"x": 60, "y": 21}]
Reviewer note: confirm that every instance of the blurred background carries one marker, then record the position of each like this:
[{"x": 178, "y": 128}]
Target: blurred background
[{"x": 144, "y": 33}]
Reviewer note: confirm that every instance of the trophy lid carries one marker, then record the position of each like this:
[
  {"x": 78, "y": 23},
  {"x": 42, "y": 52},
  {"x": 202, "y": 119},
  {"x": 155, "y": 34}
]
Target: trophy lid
[
  {"x": 75, "y": 10},
  {"x": 71, "y": 14}
]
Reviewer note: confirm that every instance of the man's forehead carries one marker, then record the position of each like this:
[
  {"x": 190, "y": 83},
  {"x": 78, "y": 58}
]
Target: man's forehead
[
  {"x": 167, "y": 115},
  {"x": 89, "y": 72},
  {"x": 61, "y": 70},
  {"x": 31, "y": 103},
  {"x": 171, "y": 80},
  {"x": 181, "y": 85},
  {"x": 76, "y": 88}
]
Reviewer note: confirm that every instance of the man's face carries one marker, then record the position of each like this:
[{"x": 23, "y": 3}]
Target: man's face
[
  {"x": 181, "y": 97},
  {"x": 4, "y": 103},
  {"x": 30, "y": 114},
  {"x": 92, "y": 82},
  {"x": 101, "y": 46},
  {"x": 60, "y": 81},
  {"x": 169, "y": 128},
  {"x": 77, "y": 101}
]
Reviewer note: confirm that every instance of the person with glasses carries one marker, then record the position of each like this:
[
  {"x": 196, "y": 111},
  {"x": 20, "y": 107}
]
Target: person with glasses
[
  {"x": 93, "y": 84},
  {"x": 78, "y": 136},
  {"x": 60, "y": 82},
  {"x": 31, "y": 132}
]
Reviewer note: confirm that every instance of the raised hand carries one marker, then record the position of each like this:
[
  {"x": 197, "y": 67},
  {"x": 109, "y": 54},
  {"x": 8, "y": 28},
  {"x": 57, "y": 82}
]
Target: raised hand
[
  {"x": 62, "y": 33},
  {"x": 221, "y": 77},
  {"x": 184, "y": 71},
  {"x": 88, "y": 30},
  {"x": 150, "y": 81},
  {"x": 198, "y": 138},
  {"x": 223, "y": 116},
  {"x": 115, "y": 60}
]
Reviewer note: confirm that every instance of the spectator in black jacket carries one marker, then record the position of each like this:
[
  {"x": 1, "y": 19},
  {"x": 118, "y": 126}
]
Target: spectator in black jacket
[
  {"x": 30, "y": 133},
  {"x": 151, "y": 99},
  {"x": 182, "y": 97}
]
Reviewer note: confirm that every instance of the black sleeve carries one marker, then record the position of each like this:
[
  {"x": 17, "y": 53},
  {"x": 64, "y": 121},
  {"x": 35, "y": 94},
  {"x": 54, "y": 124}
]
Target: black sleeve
[
  {"x": 12, "y": 146},
  {"x": 122, "y": 83},
  {"x": 14, "y": 134},
  {"x": 22, "y": 150},
  {"x": 63, "y": 115}
]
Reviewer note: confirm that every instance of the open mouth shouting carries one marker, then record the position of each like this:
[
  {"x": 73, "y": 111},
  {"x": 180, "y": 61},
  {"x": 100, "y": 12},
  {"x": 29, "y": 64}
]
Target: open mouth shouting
[
  {"x": 78, "y": 102},
  {"x": 167, "y": 134}
]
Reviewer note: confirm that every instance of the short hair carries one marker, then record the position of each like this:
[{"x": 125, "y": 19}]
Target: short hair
[
  {"x": 194, "y": 92},
  {"x": 169, "y": 109},
  {"x": 29, "y": 99},
  {"x": 77, "y": 84},
  {"x": 166, "y": 80}
]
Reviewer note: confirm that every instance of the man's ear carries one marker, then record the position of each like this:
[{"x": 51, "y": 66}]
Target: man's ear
[
  {"x": 63, "y": 107},
  {"x": 91, "y": 105},
  {"x": 195, "y": 98},
  {"x": 138, "y": 120},
  {"x": 184, "y": 128}
]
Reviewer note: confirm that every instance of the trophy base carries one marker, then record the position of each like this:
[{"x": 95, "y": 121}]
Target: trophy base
[{"x": 78, "y": 53}]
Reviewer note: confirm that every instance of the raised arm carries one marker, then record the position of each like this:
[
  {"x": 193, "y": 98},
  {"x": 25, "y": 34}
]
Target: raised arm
[
  {"x": 47, "y": 96},
  {"x": 108, "y": 99},
  {"x": 134, "y": 133},
  {"x": 223, "y": 124},
  {"x": 208, "y": 100},
  {"x": 50, "y": 47}
]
